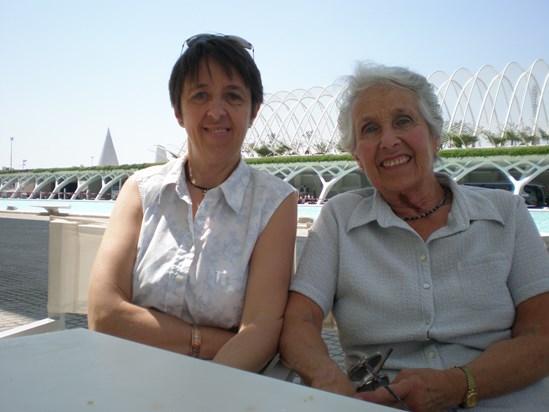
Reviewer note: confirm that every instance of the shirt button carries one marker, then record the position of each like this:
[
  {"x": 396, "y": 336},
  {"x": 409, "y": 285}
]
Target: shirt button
[
  {"x": 179, "y": 278},
  {"x": 432, "y": 355},
  {"x": 423, "y": 257},
  {"x": 426, "y": 286}
]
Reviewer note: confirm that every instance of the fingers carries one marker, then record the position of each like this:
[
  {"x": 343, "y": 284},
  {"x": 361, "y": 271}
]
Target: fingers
[{"x": 393, "y": 395}]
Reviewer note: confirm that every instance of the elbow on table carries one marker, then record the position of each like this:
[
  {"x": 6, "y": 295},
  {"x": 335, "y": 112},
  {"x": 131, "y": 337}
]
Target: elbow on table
[
  {"x": 97, "y": 320},
  {"x": 101, "y": 317}
]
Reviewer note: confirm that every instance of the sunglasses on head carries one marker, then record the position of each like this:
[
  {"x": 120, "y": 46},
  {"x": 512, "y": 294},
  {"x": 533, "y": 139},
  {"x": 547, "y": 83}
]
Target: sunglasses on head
[
  {"x": 365, "y": 375},
  {"x": 206, "y": 37}
]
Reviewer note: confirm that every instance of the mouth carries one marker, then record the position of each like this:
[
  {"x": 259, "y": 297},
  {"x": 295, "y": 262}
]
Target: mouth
[
  {"x": 217, "y": 130},
  {"x": 396, "y": 162}
]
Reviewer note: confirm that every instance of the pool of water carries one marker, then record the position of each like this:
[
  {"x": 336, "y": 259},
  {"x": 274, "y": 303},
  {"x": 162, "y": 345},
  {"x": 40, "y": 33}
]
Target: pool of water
[
  {"x": 541, "y": 217},
  {"x": 104, "y": 208},
  {"x": 71, "y": 207}
]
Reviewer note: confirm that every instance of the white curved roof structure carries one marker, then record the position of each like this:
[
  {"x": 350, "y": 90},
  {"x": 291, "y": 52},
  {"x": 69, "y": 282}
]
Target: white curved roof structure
[
  {"x": 305, "y": 121},
  {"x": 297, "y": 122},
  {"x": 514, "y": 99}
]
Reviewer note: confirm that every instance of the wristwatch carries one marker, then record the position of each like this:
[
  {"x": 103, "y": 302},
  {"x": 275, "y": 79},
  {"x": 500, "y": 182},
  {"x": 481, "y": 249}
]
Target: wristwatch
[{"x": 470, "y": 398}]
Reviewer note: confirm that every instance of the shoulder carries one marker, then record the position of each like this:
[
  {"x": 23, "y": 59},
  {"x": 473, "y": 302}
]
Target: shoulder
[
  {"x": 157, "y": 170},
  {"x": 264, "y": 181},
  {"x": 499, "y": 198},
  {"x": 482, "y": 202},
  {"x": 479, "y": 203},
  {"x": 151, "y": 180},
  {"x": 163, "y": 174},
  {"x": 350, "y": 200}
]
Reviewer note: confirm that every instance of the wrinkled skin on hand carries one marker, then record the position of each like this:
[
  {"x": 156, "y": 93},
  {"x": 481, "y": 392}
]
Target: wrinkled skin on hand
[{"x": 423, "y": 390}]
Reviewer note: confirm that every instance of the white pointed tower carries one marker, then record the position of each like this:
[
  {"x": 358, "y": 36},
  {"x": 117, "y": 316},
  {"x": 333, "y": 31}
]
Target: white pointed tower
[
  {"x": 161, "y": 156},
  {"x": 108, "y": 154}
]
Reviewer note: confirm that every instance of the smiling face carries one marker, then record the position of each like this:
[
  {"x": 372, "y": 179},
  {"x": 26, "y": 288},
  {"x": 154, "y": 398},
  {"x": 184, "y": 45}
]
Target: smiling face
[
  {"x": 393, "y": 143},
  {"x": 216, "y": 111}
]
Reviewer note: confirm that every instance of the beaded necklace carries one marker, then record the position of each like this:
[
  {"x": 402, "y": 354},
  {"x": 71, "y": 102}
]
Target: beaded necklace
[
  {"x": 190, "y": 180},
  {"x": 430, "y": 211}
]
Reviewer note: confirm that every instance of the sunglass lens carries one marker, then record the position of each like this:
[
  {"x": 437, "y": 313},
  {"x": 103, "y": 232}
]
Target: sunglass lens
[
  {"x": 357, "y": 372},
  {"x": 374, "y": 360}
]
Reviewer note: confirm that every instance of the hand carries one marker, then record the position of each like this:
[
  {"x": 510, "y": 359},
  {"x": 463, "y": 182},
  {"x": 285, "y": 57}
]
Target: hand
[{"x": 423, "y": 390}]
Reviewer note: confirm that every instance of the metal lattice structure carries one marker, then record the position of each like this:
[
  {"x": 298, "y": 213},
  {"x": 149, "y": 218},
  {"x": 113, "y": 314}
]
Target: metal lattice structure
[
  {"x": 305, "y": 121},
  {"x": 495, "y": 102},
  {"x": 64, "y": 184},
  {"x": 320, "y": 179},
  {"x": 298, "y": 122}
]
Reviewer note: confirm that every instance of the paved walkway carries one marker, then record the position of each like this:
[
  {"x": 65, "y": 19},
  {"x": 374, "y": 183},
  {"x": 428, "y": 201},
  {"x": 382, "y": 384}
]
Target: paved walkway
[{"x": 24, "y": 276}]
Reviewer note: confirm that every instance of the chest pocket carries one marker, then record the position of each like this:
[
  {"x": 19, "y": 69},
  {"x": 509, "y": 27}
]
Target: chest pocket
[{"x": 483, "y": 281}]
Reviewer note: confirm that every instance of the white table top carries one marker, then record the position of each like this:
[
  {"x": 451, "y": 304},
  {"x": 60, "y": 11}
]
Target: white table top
[{"x": 80, "y": 370}]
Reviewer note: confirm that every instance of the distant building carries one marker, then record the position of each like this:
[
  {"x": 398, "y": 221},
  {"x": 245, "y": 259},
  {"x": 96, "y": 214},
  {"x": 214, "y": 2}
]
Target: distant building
[{"x": 108, "y": 154}]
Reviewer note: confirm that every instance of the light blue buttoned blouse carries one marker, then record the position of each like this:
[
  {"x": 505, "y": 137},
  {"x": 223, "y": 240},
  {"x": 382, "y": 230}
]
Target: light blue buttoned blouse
[
  {"x": 197, "y": 269},
  {"x": 437, "y": 303}
]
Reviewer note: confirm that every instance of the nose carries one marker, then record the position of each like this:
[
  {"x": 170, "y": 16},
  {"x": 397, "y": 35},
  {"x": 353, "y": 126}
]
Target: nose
[
  {"x": 216, "y": 108},
  {"x": 390, "y": 137}
]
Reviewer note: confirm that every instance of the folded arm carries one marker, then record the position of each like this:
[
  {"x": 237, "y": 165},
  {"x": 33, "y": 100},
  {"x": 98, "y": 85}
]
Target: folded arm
[
  {"x": 110, "y": 307},
  {"x": 504, "y": 367},
  {"x": 266, "y": 293},
  {"x": 304, "y": 351}
]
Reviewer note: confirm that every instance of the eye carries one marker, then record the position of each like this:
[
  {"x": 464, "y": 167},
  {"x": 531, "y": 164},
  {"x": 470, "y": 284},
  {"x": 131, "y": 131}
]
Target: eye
[
  {"x": 369, "y": 129},
  {"x": 234, "y": 96},
  {"x": 403, "y": 121},
  {"x": 199, "y": 95}
]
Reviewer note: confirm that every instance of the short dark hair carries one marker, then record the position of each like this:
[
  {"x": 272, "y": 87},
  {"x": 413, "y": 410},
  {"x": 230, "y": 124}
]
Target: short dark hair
[{"x": 229, "y": 54}]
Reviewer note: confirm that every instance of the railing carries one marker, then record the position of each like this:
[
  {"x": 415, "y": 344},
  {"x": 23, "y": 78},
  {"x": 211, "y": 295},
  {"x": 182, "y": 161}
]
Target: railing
[{"x": 62, "y": 195}]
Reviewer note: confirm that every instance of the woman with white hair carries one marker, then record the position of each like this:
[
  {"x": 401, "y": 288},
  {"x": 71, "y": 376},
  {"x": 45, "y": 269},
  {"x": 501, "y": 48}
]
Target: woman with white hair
[{"x": 452, "y": 280}]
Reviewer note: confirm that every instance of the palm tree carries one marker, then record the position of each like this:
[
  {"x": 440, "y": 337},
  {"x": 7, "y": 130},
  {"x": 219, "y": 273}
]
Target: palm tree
[{"x": 494, "y": 138}]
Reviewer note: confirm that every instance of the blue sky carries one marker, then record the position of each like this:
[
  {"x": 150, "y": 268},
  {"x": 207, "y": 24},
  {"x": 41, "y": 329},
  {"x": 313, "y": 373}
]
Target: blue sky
[{"x": 71, "y": 69}]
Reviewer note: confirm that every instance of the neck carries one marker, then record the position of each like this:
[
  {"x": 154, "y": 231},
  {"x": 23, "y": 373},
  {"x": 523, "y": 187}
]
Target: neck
[
  {"x": 190, "y": 179},
  {"x": 430, "y": 211},
  {"x": 209, "y": 171}
]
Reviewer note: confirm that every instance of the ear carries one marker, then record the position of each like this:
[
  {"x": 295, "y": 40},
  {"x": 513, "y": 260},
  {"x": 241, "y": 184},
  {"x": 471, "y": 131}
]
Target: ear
[
  {"x": 179, "y": 118},
  {"x": 360, "y": 166},
  {"x": 436, "y": 144},
  {"x": 255, "y": 110}
]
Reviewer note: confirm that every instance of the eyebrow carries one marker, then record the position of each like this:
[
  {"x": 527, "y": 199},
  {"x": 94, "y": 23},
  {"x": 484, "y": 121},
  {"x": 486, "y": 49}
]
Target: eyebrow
[
  {"x": 396, "y": 111},
  {"x": 207, "y": 85},
  {"x": 236, "y": 87}
]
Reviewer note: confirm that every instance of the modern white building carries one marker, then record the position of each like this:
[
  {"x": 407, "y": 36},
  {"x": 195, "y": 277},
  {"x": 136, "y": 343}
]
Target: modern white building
[{"x": 511, "y": 105}]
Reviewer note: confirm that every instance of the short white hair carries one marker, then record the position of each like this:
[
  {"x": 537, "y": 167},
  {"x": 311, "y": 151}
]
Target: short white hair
[{"x": 367, "y": 75}]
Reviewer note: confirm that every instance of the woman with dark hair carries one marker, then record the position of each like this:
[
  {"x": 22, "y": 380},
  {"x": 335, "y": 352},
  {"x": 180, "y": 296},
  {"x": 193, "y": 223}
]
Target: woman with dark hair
[
  {"x": 198, "y": 254},
  {"x": 451, "y": 280}
]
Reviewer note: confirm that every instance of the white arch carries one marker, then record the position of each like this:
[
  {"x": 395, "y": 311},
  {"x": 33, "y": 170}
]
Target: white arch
[{"x": 488, "y": 101}]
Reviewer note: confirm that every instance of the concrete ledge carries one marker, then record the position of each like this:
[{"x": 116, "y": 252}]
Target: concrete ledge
[
  {"x": 54, "y": 209},
  {"x": 545, "y": 237},
  {"x": 305, "y": 223},
  {"x": 40, "y": 326}
]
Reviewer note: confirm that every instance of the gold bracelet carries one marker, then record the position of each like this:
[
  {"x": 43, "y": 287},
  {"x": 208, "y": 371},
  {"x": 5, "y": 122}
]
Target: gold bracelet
[
  {"x": 196, "y": 341},
  {"x": 470, "y": 398}
]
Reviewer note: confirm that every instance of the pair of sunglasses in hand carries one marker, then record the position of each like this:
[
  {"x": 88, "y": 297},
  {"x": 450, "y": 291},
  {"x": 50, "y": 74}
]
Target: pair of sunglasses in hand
[{"x": 366, "y": 376}]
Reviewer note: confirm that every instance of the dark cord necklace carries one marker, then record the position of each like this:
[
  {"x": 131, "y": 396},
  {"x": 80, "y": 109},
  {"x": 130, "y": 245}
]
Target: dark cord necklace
[
  {"x": 190, "y": 180},
  {"x": 430, "y": 211}
]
